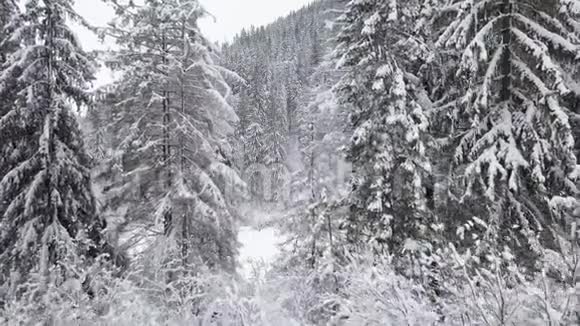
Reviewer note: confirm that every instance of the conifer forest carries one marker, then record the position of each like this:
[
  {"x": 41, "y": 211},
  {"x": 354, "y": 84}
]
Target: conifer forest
[{"x": 351, "y": 163}]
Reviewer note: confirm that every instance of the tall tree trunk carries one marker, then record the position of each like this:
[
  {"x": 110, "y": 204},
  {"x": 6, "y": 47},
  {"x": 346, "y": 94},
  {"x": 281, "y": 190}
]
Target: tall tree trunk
[
  {"x": 168, "y": 218},
  {"x": 51, "y": 206},
  {"x": 506, "y": 68},
  {"x": 312, "y": 192},
  {"x": 311, "y": 172},
  {"x": 184, "y": 221}
]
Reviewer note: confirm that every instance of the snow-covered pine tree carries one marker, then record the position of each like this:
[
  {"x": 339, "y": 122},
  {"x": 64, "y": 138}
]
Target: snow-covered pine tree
[
  {"x": 294, "y": 94},
  {"x": 95, "y": 123},
  {"x": 172, "y": 120},
  {"x": 253, "y": 108},
  {"x": 9, "y": 93},
  {"x": 323, "y": 122},
  {"x": 7, "y": 9},
  {"x": 276, "y": 140},
  {"x": 254, "y": 153},
  {"x": 253, "y": 144},
  {"x": 323, "y": 133},
  {"x": 387, "y": 150},
  {"x": 313, "y": 223},
  {"x": 48, "y": 222},
  {"x": 515, "y": 153}
]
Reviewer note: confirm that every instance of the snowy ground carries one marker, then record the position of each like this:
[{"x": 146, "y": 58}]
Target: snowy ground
[
  {"x": 259, "y": 243},
  {"x": 259, "y": 249}
]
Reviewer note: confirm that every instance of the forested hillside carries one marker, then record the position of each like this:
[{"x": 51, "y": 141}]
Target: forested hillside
[
  {"x": 282, "y": 132},
  {"x": 416, "y": 163}
]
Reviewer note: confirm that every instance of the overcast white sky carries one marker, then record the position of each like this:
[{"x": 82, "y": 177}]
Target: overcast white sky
[{"x": 233, "y": 15}]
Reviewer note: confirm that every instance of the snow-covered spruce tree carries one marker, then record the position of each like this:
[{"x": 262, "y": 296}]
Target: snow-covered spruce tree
[
  {"x": 515, "y": 152},
  {"x": 171, "y": 124},
  {"x": 317, "y": 209},
  {"x": 253, "y": 144},
  {"x": 7, "y": 9},
  {"x": 323, "y": 122},
  {"x": 318, "y": 206},
  {"x": 9, "y": 92},
  {"x": 48, "y": 223},
  {"x": 256, "y": 105},
  {"x": 7, "y": 46},
  {"x": 276, "y": 125},
  {"x": 95, "y": 125},
  {"x": 387, "y": 149},
  {"x": 254, "y": 153},
  {"x": 276, "y": 142}
]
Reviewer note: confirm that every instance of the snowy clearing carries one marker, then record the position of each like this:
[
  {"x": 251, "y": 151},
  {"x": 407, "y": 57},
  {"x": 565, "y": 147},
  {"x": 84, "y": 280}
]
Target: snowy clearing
[{"x": 259, "y": 248}]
